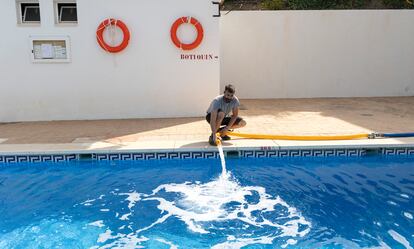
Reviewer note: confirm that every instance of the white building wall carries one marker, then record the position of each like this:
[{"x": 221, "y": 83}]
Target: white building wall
[
  {"x": 147, "y": 79},
  {"x": 304, "y": 54}
]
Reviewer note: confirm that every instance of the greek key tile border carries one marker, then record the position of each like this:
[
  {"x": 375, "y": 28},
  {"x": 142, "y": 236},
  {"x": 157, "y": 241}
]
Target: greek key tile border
[
  {"x": 155, "y": 156},
  {"x": 37, "y": 158},
  {"x": 303, "y": 153},
  {"x": 351, "y": 152},
  {"x": 398, "y": 151}
]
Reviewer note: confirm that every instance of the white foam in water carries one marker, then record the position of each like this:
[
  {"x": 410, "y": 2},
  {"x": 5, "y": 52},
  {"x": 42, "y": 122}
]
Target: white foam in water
[
  {"x": 132, "y": 198},
  {"x": 377, "y": 223},
  {"x": 124, "y": 241},
  {"x": 105, "y": 236},
  {"x": 289, "y": 242},
  {"x": 229, "y": 244},
  {"x": 392, "y": 203},
  {"x": 98, "y": 223},
  {"x": 87, "y": 202},
  {"x": 172, "y": 246},
  {"x": 408, "y": 215},
  {"x": 399, "y": 238},
  {"x": 125, "y": 216},
  {"x": 200, "y": 205}
]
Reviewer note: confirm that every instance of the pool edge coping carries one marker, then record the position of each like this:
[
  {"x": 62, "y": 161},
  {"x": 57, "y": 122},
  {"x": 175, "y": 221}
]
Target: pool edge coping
[
  {"x": 271, "y": 149},
  {"x": 205, "y": 149}
]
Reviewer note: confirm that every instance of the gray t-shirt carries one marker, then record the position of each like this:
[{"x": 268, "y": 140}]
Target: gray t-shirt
[{"x": 219, "y": 103}]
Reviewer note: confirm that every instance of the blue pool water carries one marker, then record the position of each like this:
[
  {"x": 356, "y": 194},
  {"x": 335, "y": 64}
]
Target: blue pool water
[{"x": 257, "y": 203}]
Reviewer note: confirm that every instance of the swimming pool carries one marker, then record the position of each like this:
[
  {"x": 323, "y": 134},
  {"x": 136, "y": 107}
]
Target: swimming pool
[{"x": 336, "y": 202}]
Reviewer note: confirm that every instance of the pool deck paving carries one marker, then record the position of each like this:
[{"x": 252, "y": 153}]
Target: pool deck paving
[{"x": 324, "y": 116}]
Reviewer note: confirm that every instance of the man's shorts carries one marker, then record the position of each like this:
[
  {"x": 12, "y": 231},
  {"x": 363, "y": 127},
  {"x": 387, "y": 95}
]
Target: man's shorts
[{"x": 226, "y": 120}]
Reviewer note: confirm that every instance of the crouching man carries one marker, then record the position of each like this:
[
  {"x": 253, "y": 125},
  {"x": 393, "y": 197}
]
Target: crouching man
[{"x": 218, "y": 115}]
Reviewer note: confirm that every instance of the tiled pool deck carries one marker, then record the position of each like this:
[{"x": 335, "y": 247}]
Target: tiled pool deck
[{"x": 285, "y": 116}]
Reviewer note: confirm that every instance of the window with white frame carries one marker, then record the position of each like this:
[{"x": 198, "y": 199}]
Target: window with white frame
[
  {"x": 65, "y": 11},
  {"x": 28, "y": 12}
]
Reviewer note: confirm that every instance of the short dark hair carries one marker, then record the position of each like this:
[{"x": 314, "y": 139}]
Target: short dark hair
[{"x": 230, "y": 88}]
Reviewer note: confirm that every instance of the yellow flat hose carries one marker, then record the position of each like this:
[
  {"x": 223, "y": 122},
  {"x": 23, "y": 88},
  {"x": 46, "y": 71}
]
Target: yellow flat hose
[
  {"x": 218, "y": 141},
  {"x": 285, "y": 137}
]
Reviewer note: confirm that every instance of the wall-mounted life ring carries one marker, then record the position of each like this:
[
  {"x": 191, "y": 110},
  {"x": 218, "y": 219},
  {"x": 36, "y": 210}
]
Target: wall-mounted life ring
[
  {"x": 112, "y": 22},
  {"x": 197, "y": 25}
]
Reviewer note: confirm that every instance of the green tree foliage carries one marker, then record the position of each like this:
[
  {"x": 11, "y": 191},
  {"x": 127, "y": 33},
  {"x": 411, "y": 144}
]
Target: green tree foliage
[
  {"x": 325, "y": 4},
  {"x": 335, "y": 4},
  {"x": 274, "y": 4},
  {"x": 398, "y": 4}
]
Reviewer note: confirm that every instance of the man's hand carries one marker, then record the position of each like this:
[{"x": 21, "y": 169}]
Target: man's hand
[{"x": 214, "y": 139}]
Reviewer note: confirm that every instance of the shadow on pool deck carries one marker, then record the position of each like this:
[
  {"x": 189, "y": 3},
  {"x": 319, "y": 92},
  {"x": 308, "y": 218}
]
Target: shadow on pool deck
[{"x": 325, "y": 116}]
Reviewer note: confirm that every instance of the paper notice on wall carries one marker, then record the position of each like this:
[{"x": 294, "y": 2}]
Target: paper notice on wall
[
  {"x": 60, "y": 52},
  {"x": 47, "y": 51},
  {"x": 37, "y": 52},
  {"x": 64, "y": 52}
]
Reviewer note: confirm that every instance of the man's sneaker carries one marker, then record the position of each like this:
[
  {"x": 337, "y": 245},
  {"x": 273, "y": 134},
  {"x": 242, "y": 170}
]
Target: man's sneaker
[
  {"x": 210, "y": 141},
  {"x": 225, "y": 138},
  {"x": 222, "y": 128}
]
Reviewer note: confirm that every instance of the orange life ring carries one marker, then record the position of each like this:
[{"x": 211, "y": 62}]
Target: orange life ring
[
  {"x": 197, "y": 25},
  {"x": 101, "y": 41}
]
